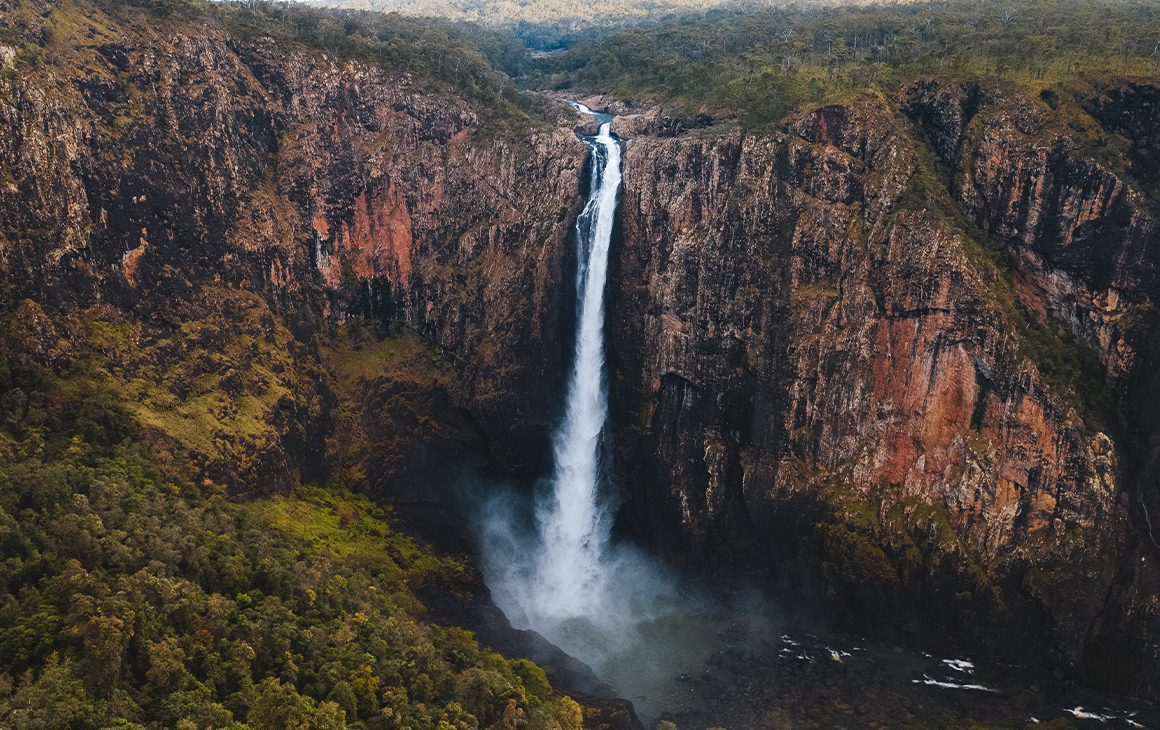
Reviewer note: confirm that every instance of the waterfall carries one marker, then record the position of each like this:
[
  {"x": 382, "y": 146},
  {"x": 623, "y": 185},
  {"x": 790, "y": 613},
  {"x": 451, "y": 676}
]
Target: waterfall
[
  {"x": 573, "y": 528},
  {"x": 613, "y": 607},
  {"x": 559, "y": 580}
]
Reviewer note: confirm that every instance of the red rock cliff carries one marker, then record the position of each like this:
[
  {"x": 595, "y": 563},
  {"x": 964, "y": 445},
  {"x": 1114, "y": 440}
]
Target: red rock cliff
[{"x": 817, "y": 371}]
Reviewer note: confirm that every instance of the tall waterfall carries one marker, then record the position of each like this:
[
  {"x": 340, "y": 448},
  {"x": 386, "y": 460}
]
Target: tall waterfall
[
  {"x": 557, "y": 581},
  {"x": 573, "y": 528},
  {"x": 612, "y": 606}
]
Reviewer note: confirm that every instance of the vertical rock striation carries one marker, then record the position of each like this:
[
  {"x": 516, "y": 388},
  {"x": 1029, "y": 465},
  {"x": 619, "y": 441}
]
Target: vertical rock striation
[
  {"x": 822, "y": 370},
  {"x": 1065, "y": 183},
  {"x": 149, "y": 165},
  {"x": 817, "y": 372}
]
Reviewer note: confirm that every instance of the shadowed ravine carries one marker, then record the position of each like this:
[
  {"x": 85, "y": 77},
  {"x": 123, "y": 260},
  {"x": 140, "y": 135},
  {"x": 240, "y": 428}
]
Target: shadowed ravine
[{"x": 675, "y": 646}]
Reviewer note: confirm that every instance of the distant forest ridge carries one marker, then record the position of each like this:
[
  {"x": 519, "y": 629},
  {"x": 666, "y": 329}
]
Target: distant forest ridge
[
  {"x": 759, "y": 64},
  {"x": 1130, "y": 26},
  {"x": 508, "y": 13},
  {"x": 754, "y": 62},
  {"x": 751, "y": 60}
]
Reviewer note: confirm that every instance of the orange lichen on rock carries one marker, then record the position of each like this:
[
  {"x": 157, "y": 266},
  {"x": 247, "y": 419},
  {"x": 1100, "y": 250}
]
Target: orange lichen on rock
[
  {"x": 378, "y": 241},
  {"x": 130, "y": 259}
]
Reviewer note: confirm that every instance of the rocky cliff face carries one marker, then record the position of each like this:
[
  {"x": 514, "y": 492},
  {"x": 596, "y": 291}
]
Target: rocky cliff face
[
  {"x": 216, "y": 206},
  {"x": 1069, "y": 190},
  {"x": 831, "y": 382}
]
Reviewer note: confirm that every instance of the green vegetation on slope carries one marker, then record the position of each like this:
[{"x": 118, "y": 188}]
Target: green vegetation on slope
[
  {"x": 127, "y": 600},
  {"x": 544, "y": 25},
  {"x": 388, "y": 403},
  {"x": 465, "y": 58}
]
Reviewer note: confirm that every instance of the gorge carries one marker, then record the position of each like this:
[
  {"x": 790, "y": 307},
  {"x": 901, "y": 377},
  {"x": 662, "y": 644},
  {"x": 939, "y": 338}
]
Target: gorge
[{"x": 892, "y": 360}]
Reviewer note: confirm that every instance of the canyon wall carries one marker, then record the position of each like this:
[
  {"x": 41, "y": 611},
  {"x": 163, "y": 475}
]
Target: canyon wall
[
  {"x": 822, "y": 369},
  {"x": 194, "y": 215}
]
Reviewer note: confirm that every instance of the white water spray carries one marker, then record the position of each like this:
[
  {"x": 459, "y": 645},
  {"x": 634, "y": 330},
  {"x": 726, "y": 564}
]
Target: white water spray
[
  {"x": 558, "y": 582},
  {"x": 613, "y": 607},
  {"x": 573, "y": 528}
]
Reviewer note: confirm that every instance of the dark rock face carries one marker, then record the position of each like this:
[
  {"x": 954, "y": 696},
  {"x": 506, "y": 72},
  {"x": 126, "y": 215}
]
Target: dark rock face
[
  {"x": 1075, "y": 211},
  {"x": 813, "y": 373},
  {"x": 943, "y": 110},
  {"x": 155, "y": 170},
  {"x": 1130, "y": 110}
]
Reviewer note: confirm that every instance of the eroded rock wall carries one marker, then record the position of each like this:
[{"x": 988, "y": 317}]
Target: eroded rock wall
[
  {"x": 1064, "y": 182},
  {"x": 151, "y": 166},
  {"x": 814, "y": 372}
]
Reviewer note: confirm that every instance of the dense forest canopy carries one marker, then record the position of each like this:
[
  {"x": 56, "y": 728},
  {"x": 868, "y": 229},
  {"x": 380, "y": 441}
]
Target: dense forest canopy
[
  {"x": 1038, "y": 27},
  {"x": 133, "y": 596},
  {"x": 752, "y": 60}
]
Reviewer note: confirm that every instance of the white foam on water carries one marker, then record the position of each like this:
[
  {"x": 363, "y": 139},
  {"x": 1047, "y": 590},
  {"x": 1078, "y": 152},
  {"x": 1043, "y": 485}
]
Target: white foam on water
[
  {"x": 1103, "y": 716},
  {"x": 1083, "y": 714},
  {"x": 960, "y": 665},
  {"x": 952, "y": 685}
]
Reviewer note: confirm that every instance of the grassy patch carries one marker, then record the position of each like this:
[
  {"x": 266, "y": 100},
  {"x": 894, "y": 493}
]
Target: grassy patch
[
  {"x": 360, "y": 354},
  {"x": 205, "y": 385},
  {"x": 342, "y": 524}
]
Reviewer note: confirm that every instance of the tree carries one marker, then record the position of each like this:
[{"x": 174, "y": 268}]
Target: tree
[
  {"x": 280, "y": 707},
  {"x": 53, "y": 701}
]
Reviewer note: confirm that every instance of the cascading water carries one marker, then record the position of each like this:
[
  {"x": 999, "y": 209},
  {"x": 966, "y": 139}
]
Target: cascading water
[
  {"x": 652, "y": 636},
  {"x": 573, "y": 528},
  {"x": 562, "y": 575},
  {"x": 614, "y": 608}
]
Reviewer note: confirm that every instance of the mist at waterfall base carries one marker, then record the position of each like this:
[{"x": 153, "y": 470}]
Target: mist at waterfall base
[
  {"x": 611, "y": 606},
  {"x": 640, "y": 628}
]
